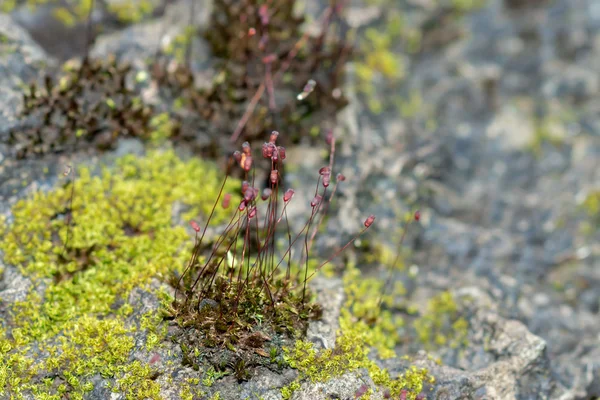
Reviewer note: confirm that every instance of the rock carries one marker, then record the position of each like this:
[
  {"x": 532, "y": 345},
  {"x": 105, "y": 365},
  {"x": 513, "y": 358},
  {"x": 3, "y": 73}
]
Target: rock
[
  {"x": 330, "y": 295},
  {"x": 502, "y": 360},
  {"x": 347, "y": 386},
  {"x": 20, "y": 61},
  {"x": 140, "y": 43},
  {"x": 513, "y": 128}
]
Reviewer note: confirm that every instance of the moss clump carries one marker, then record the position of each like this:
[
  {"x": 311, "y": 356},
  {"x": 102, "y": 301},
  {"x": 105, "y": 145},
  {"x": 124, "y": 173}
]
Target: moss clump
[
  {"x": 247, "y": 293},
  {"x": 90, "y": 104},
  {"x": 353, "y": 345},
  {"x": 548, "y": 130},
  {"x": 129, "y": 12},
  {"x": 72, "y": 12},
  {"x": 120, "y": 234},
  {"x": 591, "y": 207},
  {"x": 84, "y": 258},
  {"x": 442, "y": 324}
]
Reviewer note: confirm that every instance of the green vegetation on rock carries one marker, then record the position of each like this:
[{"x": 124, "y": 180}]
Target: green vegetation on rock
[
  {"x": 353, "y": 345},
  {"x": 83, "y": 260}
]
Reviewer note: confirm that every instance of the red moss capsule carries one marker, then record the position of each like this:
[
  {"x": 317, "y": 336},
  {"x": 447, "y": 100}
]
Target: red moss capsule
[
  {"x": 274, "y": 176},
  {"x": 263, "y": 11},
  {"x": 326, "y": 179},
  {"x": 267, "y": 150},
  {"x": 246, "y": 148},
  {"x": 269, "y": 59},
  {"x": 245, "y": 186},
  {"x": 316, "y": 200},
  {"x": 195, "y": 226},
  {"x": 329, "y": 137},
  {"x": 281, "y": 151},
  {"x": 287, "y": 196},
  {"x": 252, "y": 213},
  {"x": 273, "y": 137},
  {"x": 266, "y": 193},
  {"x": 237, "y": 156},
  {"x": 417, "y": 215},
  {"x": 242, "y": 205},
  {"x": 340, "y": 178},
  {"x": 248, "y": 163},
  {"x": 226, "y": 200},
  {"x": 250, "y": 194},
  {"x": 369, "y": 221},
  {"x": 324, "y": 171}
]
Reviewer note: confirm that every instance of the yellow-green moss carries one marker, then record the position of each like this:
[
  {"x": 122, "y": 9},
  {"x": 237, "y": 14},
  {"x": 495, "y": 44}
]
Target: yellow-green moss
[
  {"x": 128, "y": 11},
  {"x": 591, "y": 206},
  {"x": 137, "y": 383},
  {"x": 547, "y": 130},
  {"x": 77, "y": 11},
  {"x": 120, "y": 237},
  {"x": 354, "y": 342},
  {"x": 442, "y": 324}
]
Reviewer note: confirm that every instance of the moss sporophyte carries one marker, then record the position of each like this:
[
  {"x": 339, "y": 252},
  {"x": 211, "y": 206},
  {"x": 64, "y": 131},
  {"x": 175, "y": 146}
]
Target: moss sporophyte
[{"x": 247, "y": 287}]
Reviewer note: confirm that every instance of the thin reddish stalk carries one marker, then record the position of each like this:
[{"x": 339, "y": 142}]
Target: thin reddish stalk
[
  {"x": 334, "y": 255},
  {"x": 261, "y": 89}
]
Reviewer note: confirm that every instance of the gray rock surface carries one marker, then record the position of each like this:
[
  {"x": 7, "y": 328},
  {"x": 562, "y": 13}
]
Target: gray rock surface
[
  {"x": 497, "y": 213},
  {"x": 20, "y": 61}
]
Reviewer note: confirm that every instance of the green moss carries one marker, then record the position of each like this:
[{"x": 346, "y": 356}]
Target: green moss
[
  {"x": 591, "y": 208},
  {"x": 151, "y": 322},
  {"x": 138, "y": 382},
  {"x": 190, "y": 390},
  {"x": 547, "y": 130},
  {"x": 76, "y": 11},
  {"x": 132, "y": 11},
  {"x": 465, "y": 6},
  {"x": 442, "y": 324},
  {"x": 120, "y": 236},
  {"x": 355, "y": 339},
  {"x": 180, "y": 43},
  {"x": 88, "y": 103}
]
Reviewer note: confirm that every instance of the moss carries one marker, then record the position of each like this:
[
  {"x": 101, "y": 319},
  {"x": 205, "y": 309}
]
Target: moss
[
  {"x": 131, "y": 12},
  {"x": 547, "y": 131},
  {"x": 72, "y": 12},
  {"x": 442, "y": 324},
  {"x": 87, "y": 104},
  {"x": 73, "y": 323},
  {"x": 591, "y": 203},
  {"x": 252, "y": 50},
  {"x": 355, "y": 339},
  {"x": 151, "y": 322},
  {"x": 138, "y": 382},
  {"x": 591, "y": 209}
]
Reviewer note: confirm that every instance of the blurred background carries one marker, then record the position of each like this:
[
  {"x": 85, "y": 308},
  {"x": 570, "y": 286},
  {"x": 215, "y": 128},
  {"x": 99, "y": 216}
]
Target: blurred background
[{"x": 482, "y": 114}]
